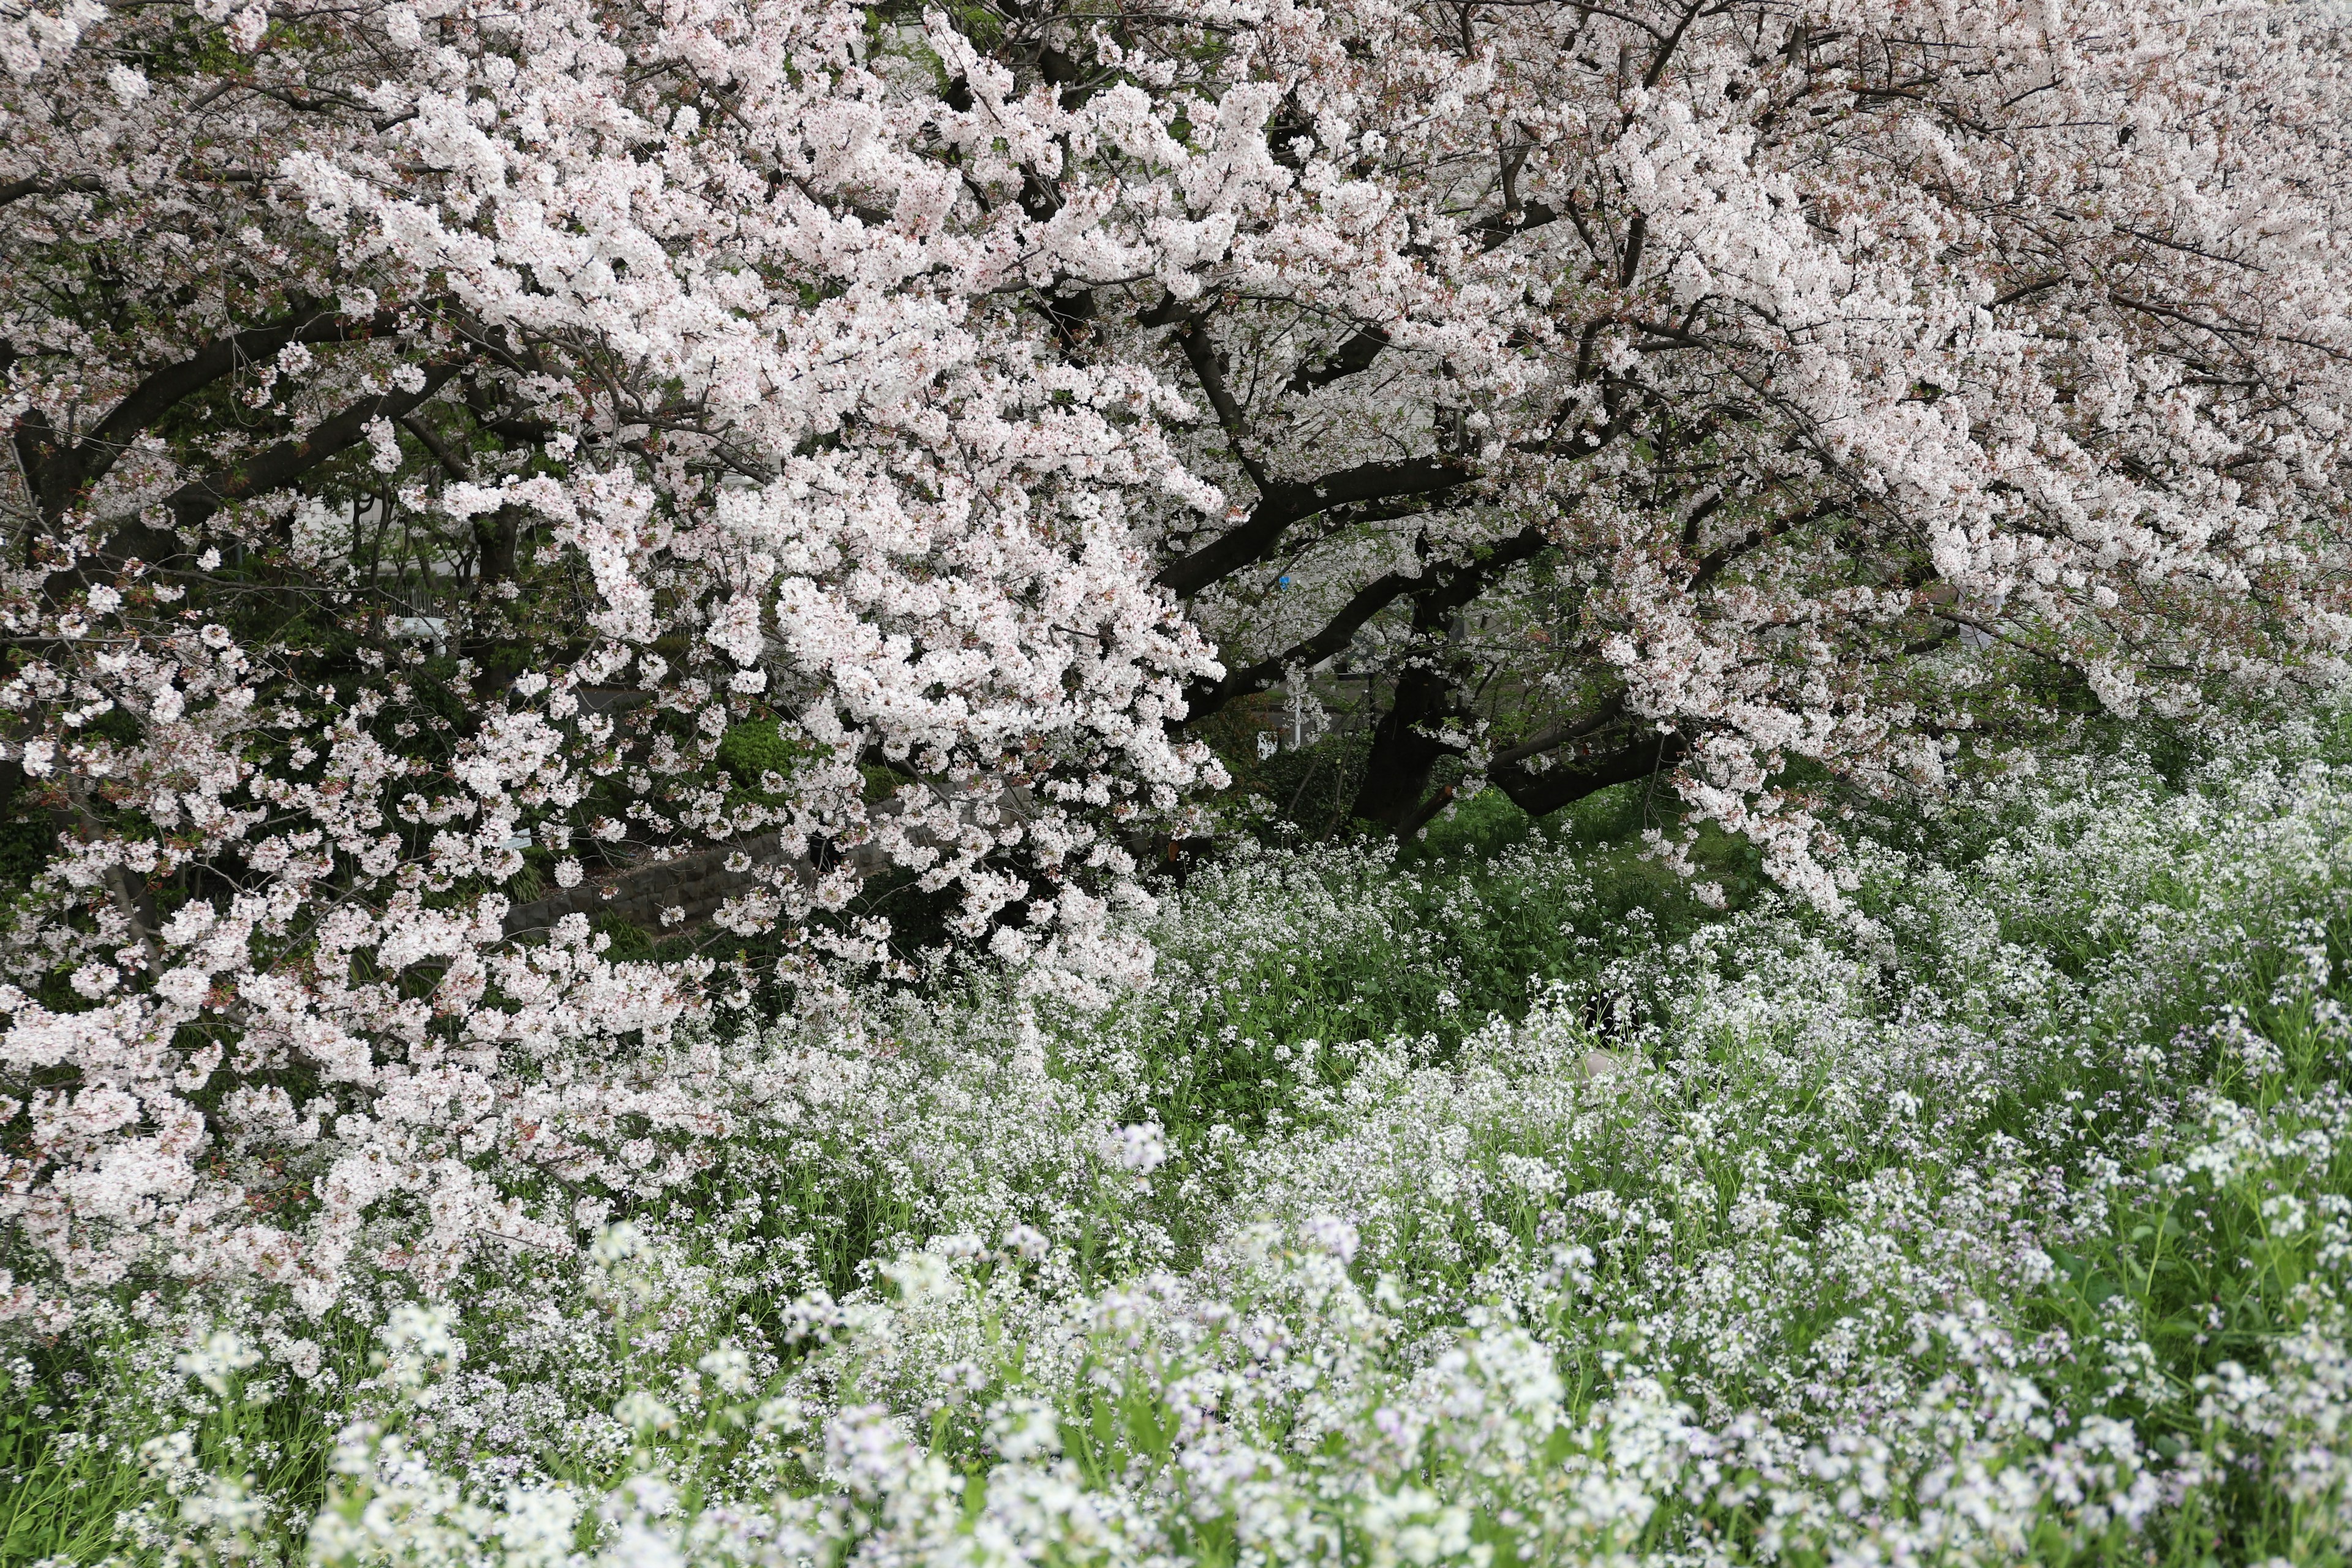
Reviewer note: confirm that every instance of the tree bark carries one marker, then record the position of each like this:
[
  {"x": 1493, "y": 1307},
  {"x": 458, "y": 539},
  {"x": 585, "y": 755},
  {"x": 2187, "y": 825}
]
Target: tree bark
[
  {"x": 1397, "y": 773},
  {"x": 1640, "y": 755}
]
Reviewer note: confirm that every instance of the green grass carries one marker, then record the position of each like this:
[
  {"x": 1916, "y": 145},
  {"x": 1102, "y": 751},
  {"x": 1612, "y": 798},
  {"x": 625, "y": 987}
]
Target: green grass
[
  {"x": 90, "y": 1466},
  {"x": 1491, "y": 909}
]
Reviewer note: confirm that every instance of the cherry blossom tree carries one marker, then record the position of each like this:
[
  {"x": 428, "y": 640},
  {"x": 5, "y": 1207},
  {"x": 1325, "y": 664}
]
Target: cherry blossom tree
[
  {"x": 1728, "y": 383},
  {"x": 436, "y": 434},
  {"x": 466, "y": 451}
]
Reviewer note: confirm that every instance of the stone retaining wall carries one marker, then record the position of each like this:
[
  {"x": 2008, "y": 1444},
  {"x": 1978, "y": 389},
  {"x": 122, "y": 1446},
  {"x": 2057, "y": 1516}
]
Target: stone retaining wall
[{"x": 696, "y": 883}]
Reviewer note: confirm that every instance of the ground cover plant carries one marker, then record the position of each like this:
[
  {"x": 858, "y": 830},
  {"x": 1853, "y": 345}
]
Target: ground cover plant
[{"x": 2006, "y": 1214}]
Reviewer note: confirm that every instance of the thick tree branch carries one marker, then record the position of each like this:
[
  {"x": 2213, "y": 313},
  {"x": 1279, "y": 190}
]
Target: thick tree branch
[
  {"x": 1539, "y": 794},
  {"x": 1358, "y": 354},
  {"x": 456, "y": 467},
  {"x": 1562, "y": 734},
  {"x": 135, "y": 909},
  {"x": 1283, "y": 503},
  {"x": 192, "y": 503},
  {"x": 42, "y": 185},
  {"x": 1415, "y": 734},
  {"x": 1350, "y": 358},
  {"x": 1636, "y": 232},
  {"x": 65, "y": 469},
  {"x": 1497, "y": 227},
  {"x": 1192, "y": 337},
  {"x": 1207, "y": 696},
  {"x": 1712, "y": 565}
]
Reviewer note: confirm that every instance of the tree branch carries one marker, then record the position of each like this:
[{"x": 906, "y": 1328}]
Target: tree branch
[
  {"x": 1562, "y": 734},
  {"x": 451, "y": 463},
  {"x": 1540, "y": 794},
  {"x": 66, "y": 470},
  {"x": 1711, "y": 565},
  {"x": 1192, "y": 337},
  {"x": 192, "y": 503},
  {"x": 1207, "y": 696},
  {"x": 1350, "y": 358},
  {"x": 42, "y": 185},
  {"x": 1283, "y": 503},
  {"x": 1497, "y": 227}
]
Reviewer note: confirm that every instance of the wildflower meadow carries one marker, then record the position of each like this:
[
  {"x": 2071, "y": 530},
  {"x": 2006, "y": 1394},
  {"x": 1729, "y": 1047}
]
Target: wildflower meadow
[{"x": 1500, "y": 1203}]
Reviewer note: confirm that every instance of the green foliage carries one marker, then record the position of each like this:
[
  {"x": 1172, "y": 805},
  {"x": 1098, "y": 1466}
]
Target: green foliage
[
  {"x": 629, "y": 942},
  {"x": 1489, "y": 909},
  {"x": 92, "y": 1462},
  {"x": 755, "y": 747},
  {"x": 24, "y": 847}
]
